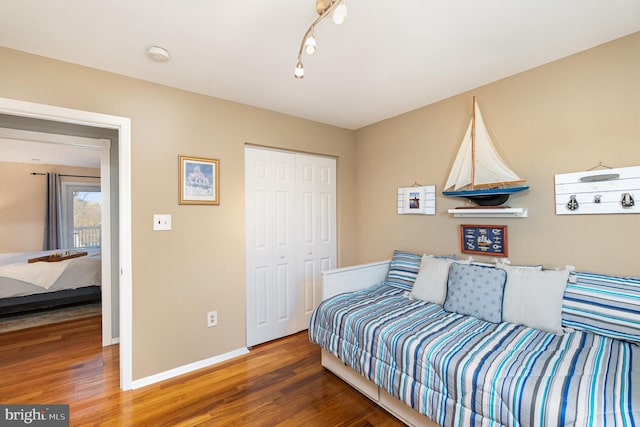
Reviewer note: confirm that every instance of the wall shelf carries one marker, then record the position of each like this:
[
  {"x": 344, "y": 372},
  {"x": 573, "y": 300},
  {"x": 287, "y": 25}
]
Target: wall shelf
[{"x": 489, "y": 212}]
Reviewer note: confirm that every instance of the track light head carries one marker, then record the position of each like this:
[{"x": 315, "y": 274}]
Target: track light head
[
  {"x": 299, "y": 71},
  {"x": 310, "y": 44},
  {"x": 340, "y": 14}
]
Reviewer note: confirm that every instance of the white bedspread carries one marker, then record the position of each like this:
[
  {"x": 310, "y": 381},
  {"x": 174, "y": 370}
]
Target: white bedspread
[
  {"x": 19, "y": 278},
  {"x": 43, "y": 274}
]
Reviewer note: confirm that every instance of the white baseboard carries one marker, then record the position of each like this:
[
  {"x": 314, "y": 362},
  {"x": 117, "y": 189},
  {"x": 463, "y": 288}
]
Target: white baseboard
[{"x": 181, "y": 370}]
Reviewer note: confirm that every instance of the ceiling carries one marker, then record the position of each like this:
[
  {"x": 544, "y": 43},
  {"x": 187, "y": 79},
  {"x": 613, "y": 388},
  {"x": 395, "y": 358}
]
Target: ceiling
[
  {"x": 20, "y": 146},
  {"x": 386, "y": 59}
]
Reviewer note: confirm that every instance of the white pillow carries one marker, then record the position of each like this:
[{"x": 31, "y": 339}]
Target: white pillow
[
  {"x": 431, "y": 283},
  {"x": 505, "y": 261},
  {"x": 533, "y": 297}
]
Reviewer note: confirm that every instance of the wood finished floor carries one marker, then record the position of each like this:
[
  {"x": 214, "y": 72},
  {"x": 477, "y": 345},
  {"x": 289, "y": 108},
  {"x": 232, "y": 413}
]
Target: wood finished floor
[{"x": 277, "y": 384}]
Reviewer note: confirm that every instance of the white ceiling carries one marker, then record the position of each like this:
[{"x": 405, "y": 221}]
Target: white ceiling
[
  {"x": 388, "y": 58},
  {"x": 19, "y": 146}
]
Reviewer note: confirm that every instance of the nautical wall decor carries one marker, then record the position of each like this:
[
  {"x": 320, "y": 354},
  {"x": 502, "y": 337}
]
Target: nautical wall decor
[
  {"x": 478, "y": 173},
  {"x": 483, "y": 239},
  {"x": 420, "y": 200},
  {"x": 610, "y": 191}
]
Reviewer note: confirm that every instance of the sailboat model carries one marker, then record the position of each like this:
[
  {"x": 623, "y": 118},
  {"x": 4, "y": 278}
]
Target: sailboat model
[{"x": 479, "y": 174}]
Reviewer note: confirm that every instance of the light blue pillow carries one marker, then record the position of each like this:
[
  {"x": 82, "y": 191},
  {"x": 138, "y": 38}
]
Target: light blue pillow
[
  {"x": 605, "y": 305},
  {"x": 476, "y": 291}
]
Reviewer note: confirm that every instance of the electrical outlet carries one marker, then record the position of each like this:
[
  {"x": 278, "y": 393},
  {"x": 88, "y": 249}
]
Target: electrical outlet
[{"x": 212, "y": 318}]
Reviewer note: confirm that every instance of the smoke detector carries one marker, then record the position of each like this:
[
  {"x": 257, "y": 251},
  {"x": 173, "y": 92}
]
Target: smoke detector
[{"x": 158, "y": 54}]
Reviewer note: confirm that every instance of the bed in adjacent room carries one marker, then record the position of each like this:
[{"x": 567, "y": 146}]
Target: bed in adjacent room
[{"x": 29, "y": 286}]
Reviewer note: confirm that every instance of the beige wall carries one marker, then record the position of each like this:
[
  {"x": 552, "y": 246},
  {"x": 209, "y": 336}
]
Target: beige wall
[
  {"x": 23, "y": 203},
  {"x": 563, "y": 117},
  {"x": 566, "y": 116},
  {"x": 199, "y": 266}
]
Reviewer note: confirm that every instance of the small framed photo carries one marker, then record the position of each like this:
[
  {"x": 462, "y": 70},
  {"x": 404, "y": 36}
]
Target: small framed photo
[
  {"x": 199, "y": 181},
  {"x": 419, "y": 200},
  {"x": 484, "y": 239}
]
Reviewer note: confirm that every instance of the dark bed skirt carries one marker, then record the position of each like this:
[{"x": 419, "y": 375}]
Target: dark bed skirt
[{"x": 9, "y": 306}]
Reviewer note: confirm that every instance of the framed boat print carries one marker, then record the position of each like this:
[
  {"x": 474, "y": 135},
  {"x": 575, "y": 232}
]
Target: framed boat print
[
  {"x": 483, "y": 239},
  {"x": 199, "y": 181}
]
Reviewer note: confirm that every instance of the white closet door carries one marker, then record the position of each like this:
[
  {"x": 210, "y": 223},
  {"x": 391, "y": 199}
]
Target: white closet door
[
  {"x": 316, "y": 199},
  {"x": 270, "y": 197},
  {"x": 291, "y": 239}
]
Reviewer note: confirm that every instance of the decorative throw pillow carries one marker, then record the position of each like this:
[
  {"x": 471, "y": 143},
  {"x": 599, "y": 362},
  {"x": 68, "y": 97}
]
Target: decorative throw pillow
[
  {"x": 533, "y": 297},
  {"x": 476, "y": 291},
  {"x": 431, "y": 283},
  {"x": 403, "y": 269},
  {"x": 606, "y": 305}
]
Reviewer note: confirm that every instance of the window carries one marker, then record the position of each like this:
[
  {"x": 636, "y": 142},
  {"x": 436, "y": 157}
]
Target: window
[{"x": 81, "y": 225}]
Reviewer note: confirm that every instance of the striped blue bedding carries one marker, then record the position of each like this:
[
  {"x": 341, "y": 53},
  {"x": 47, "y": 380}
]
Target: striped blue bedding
[{"x": 462, "y": 371}]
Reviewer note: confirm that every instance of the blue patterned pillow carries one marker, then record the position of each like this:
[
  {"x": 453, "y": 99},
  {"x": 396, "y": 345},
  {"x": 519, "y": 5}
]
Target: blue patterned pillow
[
  {"x": 403, "y": 269},
  {"x": 605, "y": 305},
  {"x": 476, "y": 291}
]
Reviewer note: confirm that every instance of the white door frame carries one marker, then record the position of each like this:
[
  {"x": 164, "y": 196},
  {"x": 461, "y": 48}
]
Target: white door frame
[{"x": 123, "y": 125}]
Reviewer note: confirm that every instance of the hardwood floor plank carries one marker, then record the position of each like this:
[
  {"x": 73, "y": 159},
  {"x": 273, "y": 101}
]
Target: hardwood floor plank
[{"x": 277, "y": 384}]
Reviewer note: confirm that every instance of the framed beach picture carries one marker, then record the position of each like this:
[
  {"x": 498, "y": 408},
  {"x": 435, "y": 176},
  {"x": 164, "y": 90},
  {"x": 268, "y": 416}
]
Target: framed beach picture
[
  {"x": 199, "y": 181},
  {"x": 419, "y": 200},
  {"x": 483, "y": 239}
]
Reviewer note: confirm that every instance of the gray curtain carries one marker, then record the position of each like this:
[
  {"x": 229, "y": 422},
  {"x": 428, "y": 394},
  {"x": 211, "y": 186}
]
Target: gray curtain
[{"x": 52, "y": 227}]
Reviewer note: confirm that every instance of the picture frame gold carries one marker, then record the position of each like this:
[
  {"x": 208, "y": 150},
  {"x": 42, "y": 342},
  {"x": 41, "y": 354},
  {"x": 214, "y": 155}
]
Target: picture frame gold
[{"x": 199, "y": 179}]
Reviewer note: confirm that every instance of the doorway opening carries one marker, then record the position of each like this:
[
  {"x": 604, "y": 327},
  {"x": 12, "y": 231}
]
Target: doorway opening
[{"x": 116, "y": 170}]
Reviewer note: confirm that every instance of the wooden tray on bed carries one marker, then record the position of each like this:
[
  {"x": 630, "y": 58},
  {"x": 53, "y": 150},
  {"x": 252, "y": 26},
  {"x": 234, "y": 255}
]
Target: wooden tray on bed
[{"x": 56, "y": 257}]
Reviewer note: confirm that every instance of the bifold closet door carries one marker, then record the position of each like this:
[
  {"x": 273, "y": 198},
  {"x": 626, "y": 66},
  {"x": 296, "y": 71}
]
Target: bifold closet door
[
  {"x": 290, "y": 231},
  {"x": 316, "y": 231}
]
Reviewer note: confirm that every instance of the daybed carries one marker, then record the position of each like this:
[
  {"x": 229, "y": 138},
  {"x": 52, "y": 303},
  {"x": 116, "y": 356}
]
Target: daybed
[
  {"x": 28, "y": 286},
  {"x": 424, "y": 338}
]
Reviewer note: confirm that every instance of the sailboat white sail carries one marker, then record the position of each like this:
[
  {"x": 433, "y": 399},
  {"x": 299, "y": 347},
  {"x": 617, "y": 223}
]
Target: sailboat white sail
[{"x": 478, "y": 172}]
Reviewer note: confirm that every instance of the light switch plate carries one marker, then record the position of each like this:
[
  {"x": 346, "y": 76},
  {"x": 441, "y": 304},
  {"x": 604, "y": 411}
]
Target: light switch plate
[{"x": 161, "y": 222}]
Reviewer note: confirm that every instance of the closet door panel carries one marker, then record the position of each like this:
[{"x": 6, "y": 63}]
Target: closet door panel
[
  {"x": 270, "y": 274},
  {"x": 317, "y": 201},
  {"x": 290, "y": 239}
]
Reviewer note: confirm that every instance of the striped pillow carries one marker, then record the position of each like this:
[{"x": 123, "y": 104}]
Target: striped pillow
[
  {"x": 605, "y": 305},
  {"x": 403, "y": 269}
]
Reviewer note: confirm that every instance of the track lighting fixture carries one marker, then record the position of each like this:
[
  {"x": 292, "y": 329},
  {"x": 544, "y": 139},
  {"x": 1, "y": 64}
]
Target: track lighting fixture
[
  {"x": 299, "y": 71},
  {"x": 308, "y": 44},
  {"x": 340, "y": 14}
]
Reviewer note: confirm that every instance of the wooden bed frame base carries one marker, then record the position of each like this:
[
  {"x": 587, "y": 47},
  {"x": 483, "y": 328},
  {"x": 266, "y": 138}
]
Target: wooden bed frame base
[{"x": 349, "y": 279}]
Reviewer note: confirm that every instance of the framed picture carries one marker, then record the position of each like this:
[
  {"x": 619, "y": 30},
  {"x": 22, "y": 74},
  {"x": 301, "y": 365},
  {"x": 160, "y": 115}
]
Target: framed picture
[
  {"x": 199, "y": 181},
  {"x": 417, "y": 200},
  {"x": 483, "y": 239}
]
